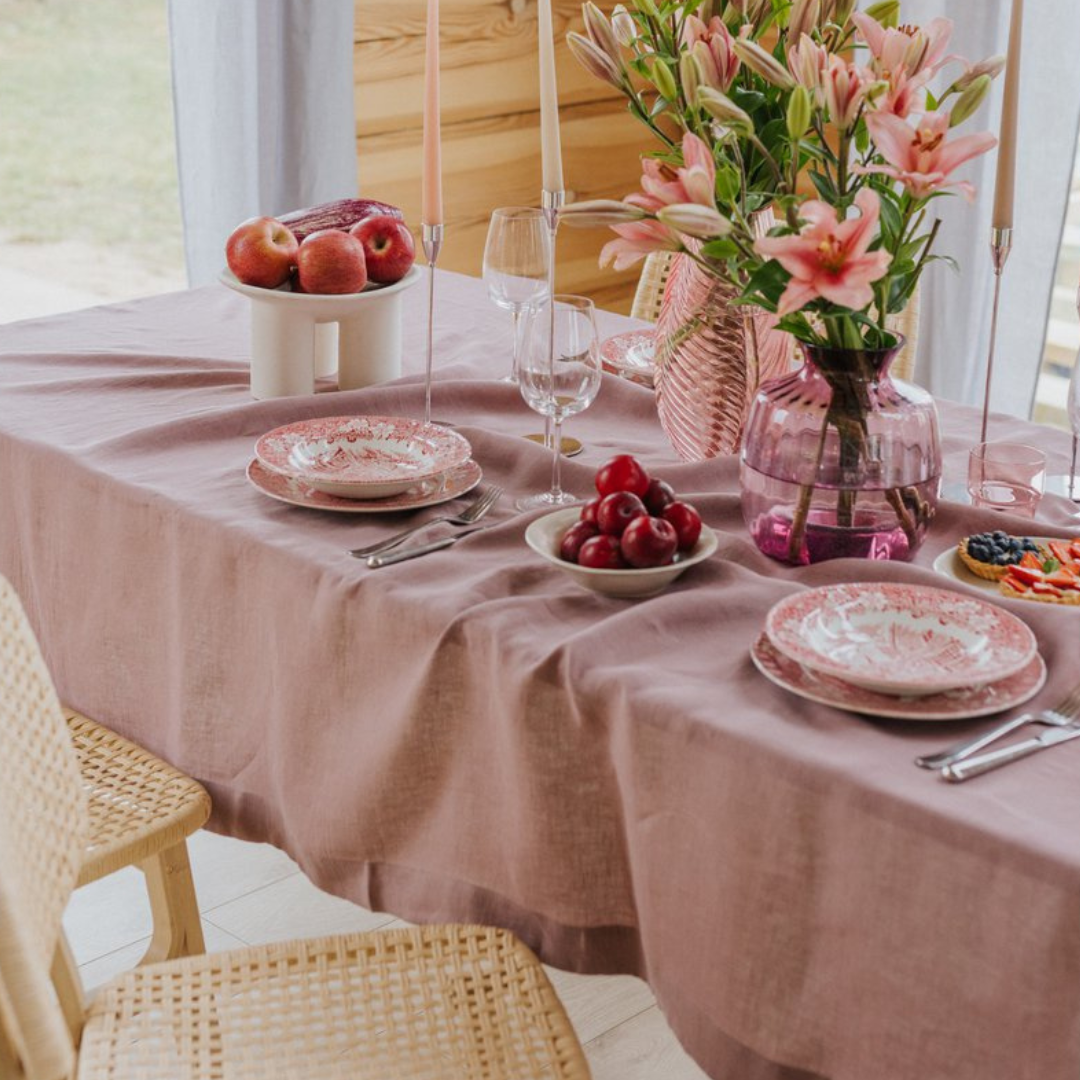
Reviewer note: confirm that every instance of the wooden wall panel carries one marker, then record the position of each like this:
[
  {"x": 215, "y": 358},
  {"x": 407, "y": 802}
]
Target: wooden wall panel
[{"x": 490, "y": 127}]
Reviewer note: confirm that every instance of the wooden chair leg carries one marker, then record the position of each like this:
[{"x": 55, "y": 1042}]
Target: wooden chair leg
[
  {"x": 69, "y": 988},
  {"x": 177, "y": 930}
]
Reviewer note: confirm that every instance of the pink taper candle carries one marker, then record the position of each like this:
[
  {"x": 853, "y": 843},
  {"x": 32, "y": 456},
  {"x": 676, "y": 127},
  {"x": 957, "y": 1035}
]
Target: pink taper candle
[
  {"x": 550, "y": 146},
  {"x": 431, "y": 209},
  {"x": 1006, "y": 159}
]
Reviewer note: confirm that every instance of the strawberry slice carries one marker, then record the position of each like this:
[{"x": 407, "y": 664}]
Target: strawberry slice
[
  {"x": 1024, "y": 577},
  {"x": 1064, "y": 579},
  {"x": 1045, "y": 588},
  {"x": 1074, "y": 550},
  {"x": 1030, "y": 560},
  {"x": 1061, "y": 550}
]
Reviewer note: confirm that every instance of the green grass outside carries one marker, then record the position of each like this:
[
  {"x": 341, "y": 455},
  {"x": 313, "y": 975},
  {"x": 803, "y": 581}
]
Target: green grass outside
[{"x": 86, "y": 127}]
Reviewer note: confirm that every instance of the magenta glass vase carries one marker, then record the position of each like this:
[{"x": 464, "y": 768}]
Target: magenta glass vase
[{"x": 840, "y": 460}]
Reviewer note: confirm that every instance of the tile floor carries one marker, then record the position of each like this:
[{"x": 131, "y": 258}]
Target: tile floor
[{"x": 253, "y": 893}]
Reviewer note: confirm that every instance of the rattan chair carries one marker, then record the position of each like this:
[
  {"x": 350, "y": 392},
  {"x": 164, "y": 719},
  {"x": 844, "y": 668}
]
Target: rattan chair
[
  {"x": 141, "y": 812},
  {"x": 436, "y": 1003}
]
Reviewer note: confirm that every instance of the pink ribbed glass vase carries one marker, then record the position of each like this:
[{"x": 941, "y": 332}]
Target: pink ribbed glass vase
[
  {"x": 711, "y": 356},
  {"x": 840, "y": 460}
]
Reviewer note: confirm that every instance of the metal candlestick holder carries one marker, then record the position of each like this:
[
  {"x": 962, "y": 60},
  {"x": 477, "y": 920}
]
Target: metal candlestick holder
[
  {"x": 1000, "y": 246},
  {"x": 431, "y": 238}
]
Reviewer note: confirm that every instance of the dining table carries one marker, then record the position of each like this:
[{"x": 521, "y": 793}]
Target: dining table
[{"x": 472, "y": 736}]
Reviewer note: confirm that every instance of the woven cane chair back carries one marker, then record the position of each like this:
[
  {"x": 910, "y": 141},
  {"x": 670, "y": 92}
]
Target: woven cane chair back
[{"x": 42, "y": 824}]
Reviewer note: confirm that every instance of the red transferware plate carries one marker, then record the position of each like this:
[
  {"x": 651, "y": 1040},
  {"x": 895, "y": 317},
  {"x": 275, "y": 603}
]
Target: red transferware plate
[
  {"x": 362, "y": 457},
  {"x": 900, "y": 639}
]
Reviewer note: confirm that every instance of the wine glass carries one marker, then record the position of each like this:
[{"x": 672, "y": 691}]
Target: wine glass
[
  {"x": 517, "y": 258},
  {"x": 559, "y": 374},
  {"x": 1072, "y": 406}
]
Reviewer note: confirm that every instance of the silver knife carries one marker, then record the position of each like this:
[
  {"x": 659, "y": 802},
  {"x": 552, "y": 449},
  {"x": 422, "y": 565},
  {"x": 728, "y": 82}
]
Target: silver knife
[
  {"x": 415, "y": 550},
  {"x": 975, "y": 766}
]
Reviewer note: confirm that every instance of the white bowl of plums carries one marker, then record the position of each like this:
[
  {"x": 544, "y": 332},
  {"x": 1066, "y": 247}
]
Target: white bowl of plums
[{"x": 633, "y": 540}]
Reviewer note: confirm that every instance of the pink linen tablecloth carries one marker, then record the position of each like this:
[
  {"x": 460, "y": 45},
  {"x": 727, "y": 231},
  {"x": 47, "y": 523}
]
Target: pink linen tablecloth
[{"x": 471, "y": 736}]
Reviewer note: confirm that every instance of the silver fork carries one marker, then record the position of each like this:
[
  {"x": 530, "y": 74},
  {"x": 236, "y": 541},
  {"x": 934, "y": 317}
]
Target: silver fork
[
  {"x": 1066, "y": 711},
  {"x": 469, "y": 516}
]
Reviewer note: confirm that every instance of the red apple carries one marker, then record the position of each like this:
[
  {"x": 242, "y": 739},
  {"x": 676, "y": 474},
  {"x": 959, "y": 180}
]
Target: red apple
[
  {"x": 687, "y": 523},
  {"x": 649, "y": 541},
  {"x": 658, "y": 495},
  {"x": 388, "y": 246},
  {"x": 622, "y": 473},
  {"x": 331, "y": 261},
  {"x": 617, "y": 510},
  {"x": 574, "y": 537},
  {"x": 601, "y": 553},
  {"x": 261, "y": 251}
]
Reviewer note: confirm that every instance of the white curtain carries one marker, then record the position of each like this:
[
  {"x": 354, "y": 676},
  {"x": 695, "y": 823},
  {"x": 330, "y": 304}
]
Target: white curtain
[
  {"x": 263, "y": 100},
  {"x": 955, "y": 308}
]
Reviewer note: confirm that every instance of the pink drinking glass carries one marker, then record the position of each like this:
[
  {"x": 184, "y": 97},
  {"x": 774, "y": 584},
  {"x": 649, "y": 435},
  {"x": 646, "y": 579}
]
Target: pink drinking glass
[{"x": 1006, "y": 476}]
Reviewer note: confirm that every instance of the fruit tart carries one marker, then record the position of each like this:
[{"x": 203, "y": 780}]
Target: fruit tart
[
  {"x": 988, "y": 555},
  {"x": 1054, "y": 579}
]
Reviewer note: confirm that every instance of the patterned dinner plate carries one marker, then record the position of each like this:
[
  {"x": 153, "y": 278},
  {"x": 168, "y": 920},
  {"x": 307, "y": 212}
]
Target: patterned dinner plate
[
  {"x": 442, "y": 489},
  {"x": 362, "y": 457},
  {"x": 631, "y": 355},
  {"x": 900, "y": 639},
  {"x": 960, "y": 703}
]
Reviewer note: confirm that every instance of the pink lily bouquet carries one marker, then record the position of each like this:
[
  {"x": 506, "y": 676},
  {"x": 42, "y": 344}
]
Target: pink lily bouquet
[{"x": 826, "y": 115}]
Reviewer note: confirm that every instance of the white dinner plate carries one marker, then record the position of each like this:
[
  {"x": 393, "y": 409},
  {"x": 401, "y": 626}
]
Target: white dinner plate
[
  {"x": 894, "y": 638},
  {"x": 958, "y": 704},
  {"x": 362, "y": 457},
  {"x": 285, "y": 489}
]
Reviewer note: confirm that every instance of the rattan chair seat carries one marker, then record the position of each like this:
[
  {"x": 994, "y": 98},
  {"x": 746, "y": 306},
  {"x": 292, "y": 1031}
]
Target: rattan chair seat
[
  {"x": 138, "y": 804},
  {"x": 649, "y": 294},
  {"x": 429, "y": 1003}
]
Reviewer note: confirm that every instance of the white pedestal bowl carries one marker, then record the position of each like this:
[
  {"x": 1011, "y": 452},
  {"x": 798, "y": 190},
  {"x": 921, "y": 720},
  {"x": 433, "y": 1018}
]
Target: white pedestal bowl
[{"x": 299, "y": 337}]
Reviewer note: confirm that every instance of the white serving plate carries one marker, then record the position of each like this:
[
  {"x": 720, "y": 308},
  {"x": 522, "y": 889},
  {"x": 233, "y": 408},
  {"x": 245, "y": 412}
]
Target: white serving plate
[
  {"x": 960, "y": 703},
  {"x": 442, "y": 489},
  {"x": 900, "y": 639},
  {"x": 950, "y": 565},
  {"x": 545, "y": 534},
  {"x": 362, "y": 457}
]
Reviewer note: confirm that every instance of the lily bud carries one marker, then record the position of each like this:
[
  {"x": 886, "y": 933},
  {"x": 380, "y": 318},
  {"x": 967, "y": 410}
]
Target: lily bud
[
  {"x": 722, "y": 108},
  {"x": 663, "y": 80},
  {"x": 798, "y": 113},
  {"x": 708, "y": 72},
  {"x": 701, "y": 222},
  {"x": 841, "y": 12},
  {"x": 647, "y": 7},
  {"x": 969, "y": 100},
  {"x": 600, "y": 32},
  {"x": 594, "y": 213},
  {"x": 992, "y": 66},
  {"x": 803, "y": 18},
  {"x": 689, "y": 75},
  {"x": 763, "y": 63},
  {"x": 886, "y": 12},
  {"x": 623, "y": 26},
  {"x": 594, "y": 60}
]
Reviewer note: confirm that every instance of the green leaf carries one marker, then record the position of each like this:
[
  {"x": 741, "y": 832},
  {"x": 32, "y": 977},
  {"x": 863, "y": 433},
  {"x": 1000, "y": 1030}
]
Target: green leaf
[
  {"x": 728, "y": 183},
  {"x": 721, "y": 249},
  {"x": 891, "y": 221},
  {"x": 825, "y": 187}
]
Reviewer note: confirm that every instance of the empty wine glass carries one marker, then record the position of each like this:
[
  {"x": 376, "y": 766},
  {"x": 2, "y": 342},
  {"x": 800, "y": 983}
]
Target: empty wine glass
[
  {"x": 1073, "y": 408},
  {"x": 559, "y": 374},
  {"x": 517, "y": 257}
]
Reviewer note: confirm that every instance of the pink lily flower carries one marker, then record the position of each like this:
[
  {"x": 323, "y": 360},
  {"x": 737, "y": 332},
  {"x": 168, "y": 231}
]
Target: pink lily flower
[
  {"x": 636, "y": 240},
  {"x": 914, "y": 49},
  {"x": 905, "y": 94},
  {"x": 718, "y": 62},
  {"x": 845, "y": 88},
  {"x": 922, "y": 158},
  {"x": 808, "y": 62},
  {"x": 829, "y": 258},
  {"x": 695, "y": 182}
]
